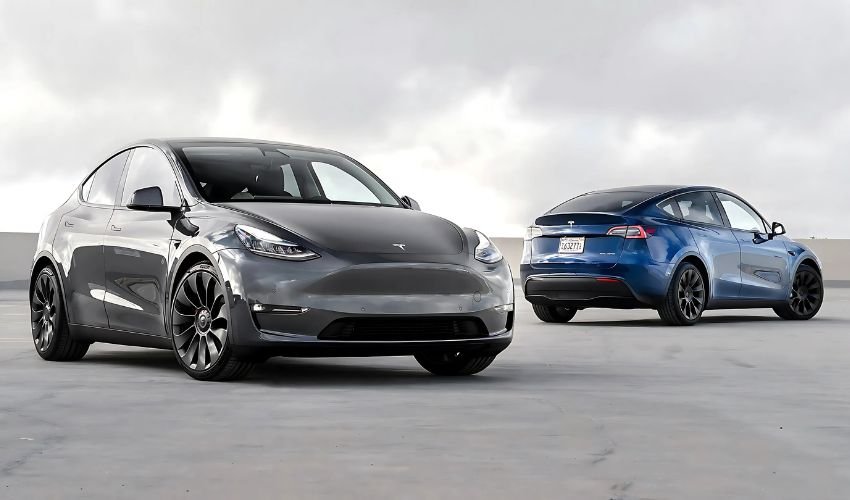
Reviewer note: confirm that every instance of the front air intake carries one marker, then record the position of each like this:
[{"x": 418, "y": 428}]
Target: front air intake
[{"x": 404, "y": 329}]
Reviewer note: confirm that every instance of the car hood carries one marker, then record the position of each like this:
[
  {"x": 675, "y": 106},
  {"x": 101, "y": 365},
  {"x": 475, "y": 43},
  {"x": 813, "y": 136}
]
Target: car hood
[{"x": 361, "y": 228}]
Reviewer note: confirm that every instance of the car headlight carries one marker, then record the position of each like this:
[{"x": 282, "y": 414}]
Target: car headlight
[
  {"x": 265, "y": 243},
  {"x": 486, "y": 251}
]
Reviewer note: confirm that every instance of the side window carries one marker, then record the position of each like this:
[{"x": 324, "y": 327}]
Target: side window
[
  {"x": 699, "y": 206},
  {"x": 149, "y": 168},
  {"x": 290, "y": 185},
  {"x": 87, "y": 187},
  {"x": 669, "y": 207},
  {"x": 740, "y": 215},
  {"x": 340, "y": 185},
  {"x": 102, "y": 186}
]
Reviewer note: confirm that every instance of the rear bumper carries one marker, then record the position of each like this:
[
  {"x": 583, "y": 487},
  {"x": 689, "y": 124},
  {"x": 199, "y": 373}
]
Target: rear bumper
[
  {"x": 638, "y": 285},
  {"x": 580, "y": 291}
]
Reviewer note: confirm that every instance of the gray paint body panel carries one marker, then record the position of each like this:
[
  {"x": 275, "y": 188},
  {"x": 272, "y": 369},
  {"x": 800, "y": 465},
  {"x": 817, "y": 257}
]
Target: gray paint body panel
[{"x": 118, "y": 269}]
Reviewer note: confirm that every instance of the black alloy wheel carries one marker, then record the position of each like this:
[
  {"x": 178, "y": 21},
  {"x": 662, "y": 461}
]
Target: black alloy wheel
[
  {"x": 50, "y": 332},
  {"x": 553, "y": 314},
  {"x": 806, "y": 295},
  {"x": 691, "y": 294},
  {"x": 199, "y": 327},
  {"x": 43, "y": 311},
  {"x": 686, "y": 297}
]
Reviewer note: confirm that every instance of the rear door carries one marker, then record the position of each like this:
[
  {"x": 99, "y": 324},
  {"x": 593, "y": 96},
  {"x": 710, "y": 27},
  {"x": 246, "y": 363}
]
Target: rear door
[
  {"x": 717, "y": 245},
  {"x": 137, "y": 248},
  {"x": 765, "y": 262},
  {"x": 81, "y": 232}
]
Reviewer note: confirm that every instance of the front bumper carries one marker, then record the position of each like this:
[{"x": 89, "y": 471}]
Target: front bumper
[{"x": 347, "y": 306}]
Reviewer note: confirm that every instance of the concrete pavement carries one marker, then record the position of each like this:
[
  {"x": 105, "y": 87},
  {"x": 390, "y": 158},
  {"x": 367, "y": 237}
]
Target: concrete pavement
[{"x": 614, "y": 405}]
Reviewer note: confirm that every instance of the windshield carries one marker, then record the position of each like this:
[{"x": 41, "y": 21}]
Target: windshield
[
  {"x": 610, "y": 201},
  {"x": 266, "y": 172}
]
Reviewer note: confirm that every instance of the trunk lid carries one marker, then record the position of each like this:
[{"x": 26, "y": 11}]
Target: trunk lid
[{"x": 600, "y": 251}]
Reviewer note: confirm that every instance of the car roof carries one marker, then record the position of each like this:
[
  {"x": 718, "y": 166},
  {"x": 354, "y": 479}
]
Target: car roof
[
  {"x": 662, "y": 189},
  {"x": 659, "y": 192},
  {"x": 175, "y": 142},
  {"x": 653, "y": 188}
]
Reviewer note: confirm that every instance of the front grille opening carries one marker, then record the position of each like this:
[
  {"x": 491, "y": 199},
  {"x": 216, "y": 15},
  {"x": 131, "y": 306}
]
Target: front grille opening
[{"x": 407, "y": 328}]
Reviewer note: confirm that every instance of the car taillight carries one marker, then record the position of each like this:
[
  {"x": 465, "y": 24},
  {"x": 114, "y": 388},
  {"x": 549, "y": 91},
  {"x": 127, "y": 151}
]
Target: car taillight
[{"x": 632, "y": 232}]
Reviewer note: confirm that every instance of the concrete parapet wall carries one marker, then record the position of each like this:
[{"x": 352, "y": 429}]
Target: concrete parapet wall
[{"x": 17, "y": 249}]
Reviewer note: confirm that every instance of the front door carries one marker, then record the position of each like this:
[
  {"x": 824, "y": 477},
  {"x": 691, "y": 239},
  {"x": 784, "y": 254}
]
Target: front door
[
  {"x": 137, "y": 249},
  {"x": 81, "y": 231},
  {"x": 765, "y": 262}
]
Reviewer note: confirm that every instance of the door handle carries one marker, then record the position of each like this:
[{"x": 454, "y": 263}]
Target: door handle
[
  {"x": 69, "y": 223},
  {"x": 115, "y": 228}
]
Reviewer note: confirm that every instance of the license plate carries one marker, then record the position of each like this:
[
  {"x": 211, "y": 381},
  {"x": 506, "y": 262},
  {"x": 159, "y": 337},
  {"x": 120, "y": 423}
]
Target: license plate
[{"x": 571, "y": 245}]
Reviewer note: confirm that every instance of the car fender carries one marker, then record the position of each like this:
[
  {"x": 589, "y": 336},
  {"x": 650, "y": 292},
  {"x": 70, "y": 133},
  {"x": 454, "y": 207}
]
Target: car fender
[
  {"x": 683, "y": 254},
  {"x": 801, "y": 252},
  {"x": 189, "y": 251},
  {"x": 689, "y": 250}
]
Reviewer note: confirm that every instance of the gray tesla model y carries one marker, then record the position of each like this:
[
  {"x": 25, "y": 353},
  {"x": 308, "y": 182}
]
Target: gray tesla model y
[{"x": 232, "y": 251}]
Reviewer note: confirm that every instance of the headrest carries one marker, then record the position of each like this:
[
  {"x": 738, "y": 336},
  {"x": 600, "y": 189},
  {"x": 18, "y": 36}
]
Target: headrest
[{"x": 267, "y": 180}]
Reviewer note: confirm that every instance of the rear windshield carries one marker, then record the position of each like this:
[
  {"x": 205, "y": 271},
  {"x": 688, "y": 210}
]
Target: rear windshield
[
  {"x": 610, "y": 201},
  {"x": 242, "y": 172}
]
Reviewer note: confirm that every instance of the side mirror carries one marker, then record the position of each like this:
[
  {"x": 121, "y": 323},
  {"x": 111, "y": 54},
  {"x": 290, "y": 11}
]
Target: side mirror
[
  {"x": 149, "y": 199},
  {"x": 410, "y": 203},
  {"x": 776, "y": 229}
]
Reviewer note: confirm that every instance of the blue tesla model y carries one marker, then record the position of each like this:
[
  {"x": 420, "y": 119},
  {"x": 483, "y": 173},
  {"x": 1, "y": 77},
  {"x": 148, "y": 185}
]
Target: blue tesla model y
[{"x": 677, "y": 249}]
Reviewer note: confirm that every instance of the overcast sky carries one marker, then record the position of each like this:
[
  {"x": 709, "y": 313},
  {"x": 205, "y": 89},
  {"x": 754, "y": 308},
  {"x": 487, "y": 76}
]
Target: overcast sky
[{"x": 487, "y": 113}]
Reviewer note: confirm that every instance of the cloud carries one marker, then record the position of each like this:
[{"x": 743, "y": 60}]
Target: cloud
[{"x": 487, "y": 114}]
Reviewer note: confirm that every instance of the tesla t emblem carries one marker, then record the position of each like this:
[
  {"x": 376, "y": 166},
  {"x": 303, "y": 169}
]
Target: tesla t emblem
[
  {"x": 571, "y": 222},
  {"x": 400, "y": 245}
]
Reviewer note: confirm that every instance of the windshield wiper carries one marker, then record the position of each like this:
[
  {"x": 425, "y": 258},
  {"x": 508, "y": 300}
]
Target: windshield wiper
[
  {"x": 278, "y": 199},
  {"x": 317, "y": 200}
]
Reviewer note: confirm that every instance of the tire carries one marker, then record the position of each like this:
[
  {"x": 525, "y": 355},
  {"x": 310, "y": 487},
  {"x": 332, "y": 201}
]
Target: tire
[
  {"x": 454, "y": 363},
  {"x": 806, "y": 295},
  {"x": 686, "y": 297},
  {"x": 200, "y": 321},
  {"x": 554, "y": 314},
  {"x": 50, "y": 331}
]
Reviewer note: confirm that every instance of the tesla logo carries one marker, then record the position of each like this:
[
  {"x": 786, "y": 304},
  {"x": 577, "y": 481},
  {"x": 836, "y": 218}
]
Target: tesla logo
[
  {"x": 400, "y": 245},
  {"x": 571, "y": 222}
]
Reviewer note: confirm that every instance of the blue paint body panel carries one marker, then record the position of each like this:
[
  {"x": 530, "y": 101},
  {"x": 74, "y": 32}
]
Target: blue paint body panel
[{"x": 749, "y": 268}]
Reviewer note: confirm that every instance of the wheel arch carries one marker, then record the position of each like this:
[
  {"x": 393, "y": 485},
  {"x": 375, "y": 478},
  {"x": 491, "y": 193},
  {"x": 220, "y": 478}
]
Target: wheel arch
[
  {"x": 186, "y": 264},
  {"x": 42, "y": 260},
  {"x": 697, "y": 262},
  {"x": 809, "y": 261},
  {"x": 189, "y": 257},
  {"x": 40, "y": 263}
]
